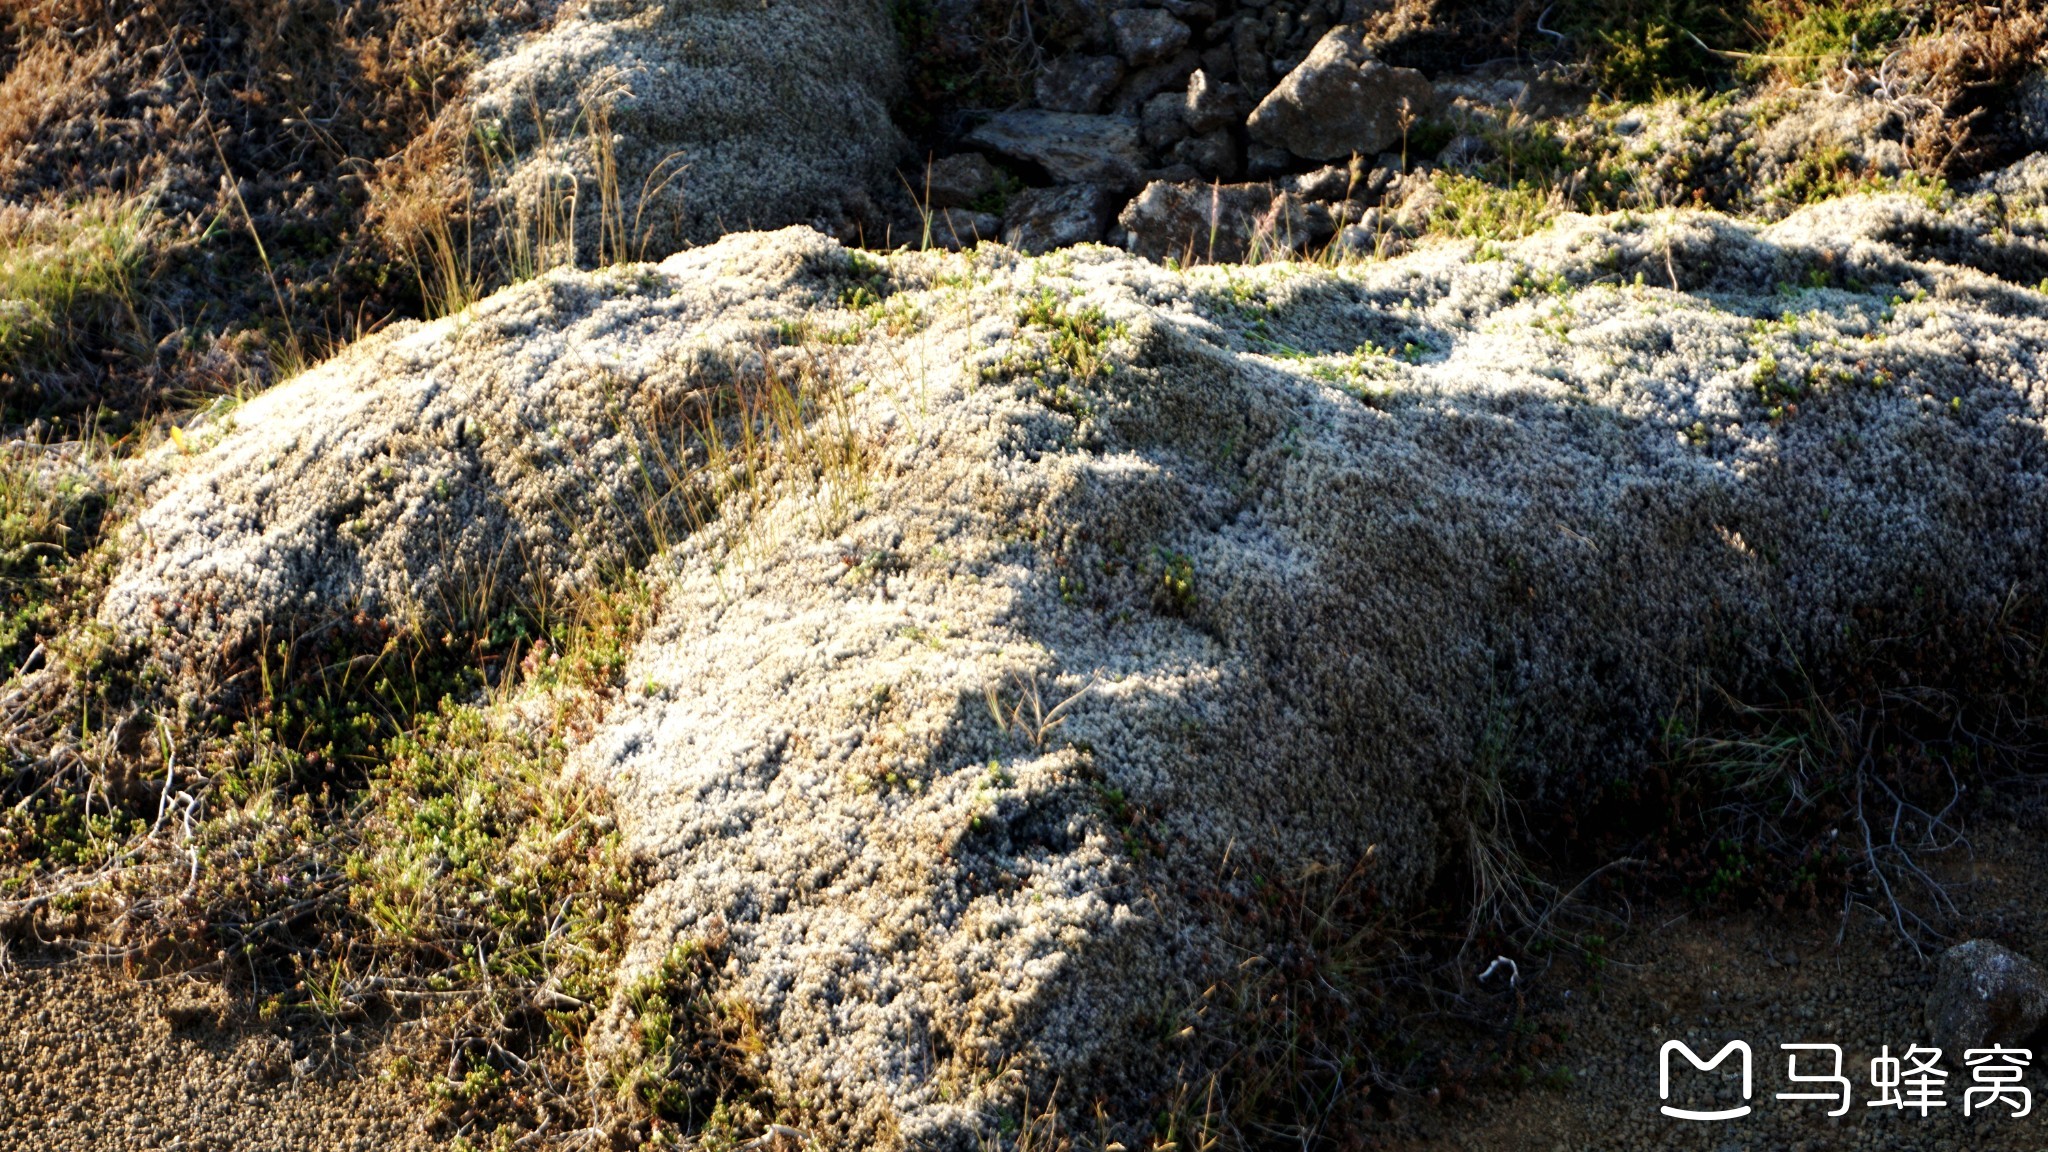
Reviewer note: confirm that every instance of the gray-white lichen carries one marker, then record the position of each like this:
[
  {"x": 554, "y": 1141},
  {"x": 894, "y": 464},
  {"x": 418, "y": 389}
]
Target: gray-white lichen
[{"x": 1272, "y": 555}]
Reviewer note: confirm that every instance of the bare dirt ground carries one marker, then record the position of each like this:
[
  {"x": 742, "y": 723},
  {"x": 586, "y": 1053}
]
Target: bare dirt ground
[
  {"x": 1768, "y": 979},
  {"x": 92, "y": 1059}
]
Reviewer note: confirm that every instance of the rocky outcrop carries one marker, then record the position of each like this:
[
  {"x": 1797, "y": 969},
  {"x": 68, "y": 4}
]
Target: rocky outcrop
[
  {"x": 1211, "y": 104},
  {"x": 1107, "y": 573},
  {"x": 1341, "y": 102},
  {"x": 1133, "y": 93},
  {"x": 1147, "y": 35},
  {"x": 1213, "y": 223},
  {"x": 959, "y": 181},
  {"x": 1273, "y": 92},
  {"x": 1078, "y": 83},
  {"x": 1043, "y": 219}
]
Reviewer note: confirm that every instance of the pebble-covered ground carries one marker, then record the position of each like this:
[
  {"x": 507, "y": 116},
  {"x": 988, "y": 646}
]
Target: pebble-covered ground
[{"x": 92, "y": 1059}]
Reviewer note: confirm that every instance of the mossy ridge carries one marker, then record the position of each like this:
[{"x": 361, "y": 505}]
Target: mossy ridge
[{"x": 368, "y": 818}]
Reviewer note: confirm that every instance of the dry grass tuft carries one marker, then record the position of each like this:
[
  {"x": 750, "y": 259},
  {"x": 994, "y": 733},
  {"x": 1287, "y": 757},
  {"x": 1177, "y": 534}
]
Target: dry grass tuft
[
  {"x": 421, "y": 203},
  {"x": 52, "y": 82},
  {"x": 432, "y": 200},
  {"x": 68, "y": 278},
  {"x": 1942, "y": 81}
]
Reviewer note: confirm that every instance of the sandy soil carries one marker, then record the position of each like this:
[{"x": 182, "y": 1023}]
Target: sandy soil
[{"x": 91, "y": 1059}]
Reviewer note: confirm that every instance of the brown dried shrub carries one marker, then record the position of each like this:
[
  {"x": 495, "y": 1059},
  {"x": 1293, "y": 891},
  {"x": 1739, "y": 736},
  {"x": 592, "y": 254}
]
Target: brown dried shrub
[{"x": 1945, "y": 81}]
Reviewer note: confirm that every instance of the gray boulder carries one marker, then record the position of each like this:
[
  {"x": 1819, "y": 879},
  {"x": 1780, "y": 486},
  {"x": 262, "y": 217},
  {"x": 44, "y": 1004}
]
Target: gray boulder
[
  {"x": 1211, "y": 223},
  {"x": 1042, "y": 219},
  {"x": 1147, "y": 35},
  {"x": 1170, "y": 75},
  {"x": 1329, "y": 183},
  {"x": 1339, "y": 101},
  {"x": 957, "y": 181},
  {"x": 1071, "y": 147},
  {"x": 1078, "y": 83},
  {"x": 1162, "y": 122},
  {"x": 1214, "y": 155},
  {"x": 1080, "y": 25},
  {"x": 1212, "y": 104},
  {"x": 1985, "y": 994},
  {"x": 1265, "y": 161},
  {"x": 1248, "y": 52},
  {"x": 1362, "y": 240}
]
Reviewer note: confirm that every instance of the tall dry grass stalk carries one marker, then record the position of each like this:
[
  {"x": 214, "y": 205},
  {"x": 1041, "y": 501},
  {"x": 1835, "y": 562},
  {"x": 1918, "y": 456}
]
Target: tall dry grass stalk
[
  {"x": 782, "y": 421},
  {"x": 532, "y": 201}
]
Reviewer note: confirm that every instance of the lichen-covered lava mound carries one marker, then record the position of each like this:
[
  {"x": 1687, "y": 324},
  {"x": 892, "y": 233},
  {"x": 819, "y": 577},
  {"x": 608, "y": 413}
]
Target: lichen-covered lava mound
[
  {"x": 999, "y": 604},
  {"x": 534, "y": 617}
]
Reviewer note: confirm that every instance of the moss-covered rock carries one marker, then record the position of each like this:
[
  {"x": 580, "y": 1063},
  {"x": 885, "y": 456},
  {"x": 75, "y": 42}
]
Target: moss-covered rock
[{"x": 1020, "y": 593}]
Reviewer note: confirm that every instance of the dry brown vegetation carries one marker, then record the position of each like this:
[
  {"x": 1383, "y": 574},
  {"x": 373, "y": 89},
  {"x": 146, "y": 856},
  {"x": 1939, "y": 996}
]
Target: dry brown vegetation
[
  {"x": 1948, "y": 65},
  {"x": 1947, "y": 81},
  {"x": 250, "y": 129}
]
